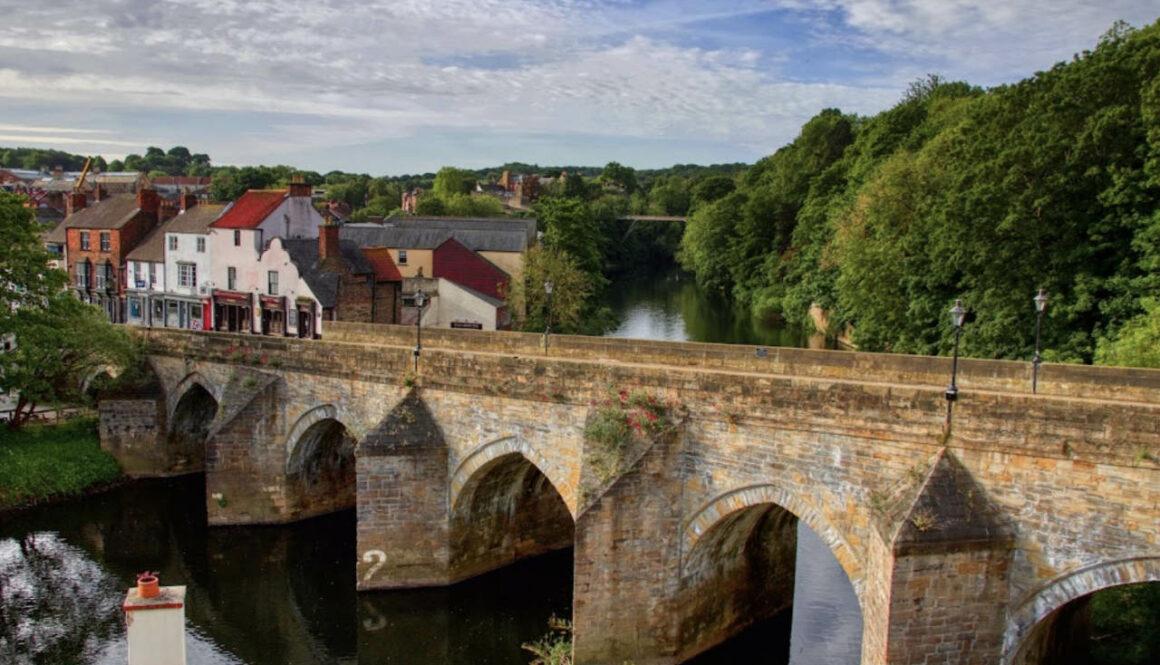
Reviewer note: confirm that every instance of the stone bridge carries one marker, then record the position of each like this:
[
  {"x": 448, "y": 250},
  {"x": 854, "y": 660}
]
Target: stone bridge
[{"x": 964, "y": 545}]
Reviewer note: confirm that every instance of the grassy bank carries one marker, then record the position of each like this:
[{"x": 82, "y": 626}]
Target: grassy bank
[{"x": 42, "y": 462}]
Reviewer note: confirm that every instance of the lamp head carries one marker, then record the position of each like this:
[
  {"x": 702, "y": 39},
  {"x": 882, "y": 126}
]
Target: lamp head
[
  {"x": 420, "y": 299},
  {"x": 958, "y": 314},
  {"x": 1040, "y": 301},
  {"x": 548, "y": 287}
]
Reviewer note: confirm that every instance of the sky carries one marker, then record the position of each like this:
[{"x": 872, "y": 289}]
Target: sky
[{"x": 409, "y": 86}]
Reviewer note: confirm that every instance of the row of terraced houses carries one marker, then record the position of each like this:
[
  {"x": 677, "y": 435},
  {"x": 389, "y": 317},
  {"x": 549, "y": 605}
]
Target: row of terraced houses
[{"x": 270, "y": 263}]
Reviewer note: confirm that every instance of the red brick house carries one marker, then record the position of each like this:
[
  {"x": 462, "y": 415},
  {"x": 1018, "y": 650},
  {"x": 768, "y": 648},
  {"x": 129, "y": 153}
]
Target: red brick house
[{"x": 97, "y": 238}]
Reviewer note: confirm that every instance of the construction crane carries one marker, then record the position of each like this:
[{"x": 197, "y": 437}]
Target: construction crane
[{"x": 84, "y": 172}]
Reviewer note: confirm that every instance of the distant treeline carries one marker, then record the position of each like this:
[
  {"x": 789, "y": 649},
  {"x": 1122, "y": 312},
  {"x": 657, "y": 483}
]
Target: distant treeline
[{"x": 963, "y": 193}]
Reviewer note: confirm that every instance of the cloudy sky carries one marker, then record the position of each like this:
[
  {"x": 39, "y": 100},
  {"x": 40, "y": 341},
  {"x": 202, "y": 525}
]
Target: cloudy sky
[{"x": 407, "y": 86}]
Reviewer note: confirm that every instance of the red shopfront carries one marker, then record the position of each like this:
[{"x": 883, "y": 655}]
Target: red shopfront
[{"x": 233, "y": 312}]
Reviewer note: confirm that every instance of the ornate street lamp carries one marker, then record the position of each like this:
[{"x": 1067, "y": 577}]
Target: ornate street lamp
[
  {"x": 548, "y": 294},
  {"x": 420, "y": 301},
  {"x": 1040, "y": 305},
  {"x": 958, "y": 316}
]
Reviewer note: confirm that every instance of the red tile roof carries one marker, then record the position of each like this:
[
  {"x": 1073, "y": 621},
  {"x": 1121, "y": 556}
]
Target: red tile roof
[
  {"x": 384, "y": 265},
  {"x": 251, "y": 209}
]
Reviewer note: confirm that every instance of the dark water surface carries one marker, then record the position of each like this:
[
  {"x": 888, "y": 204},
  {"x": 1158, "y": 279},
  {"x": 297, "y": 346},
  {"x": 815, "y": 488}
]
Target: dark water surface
[{"x": 255, "y": 595}]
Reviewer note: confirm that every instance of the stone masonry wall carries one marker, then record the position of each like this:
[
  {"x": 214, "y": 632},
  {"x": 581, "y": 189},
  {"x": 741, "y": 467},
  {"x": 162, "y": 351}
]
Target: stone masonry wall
[
  {"x": 825, "y": 435},
  {"x": 133, "y": 431}
]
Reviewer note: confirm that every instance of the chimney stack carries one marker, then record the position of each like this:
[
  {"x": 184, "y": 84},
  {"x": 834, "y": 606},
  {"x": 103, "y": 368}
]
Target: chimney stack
[
  {"x": 74, "y": 202},
  {"x": 188, "y": 200},
  {"x": 298, "y": 186},
  {"x": 167, "y": 210},
  {"x": 148, "y": 201},
  {"x": 328, "y": 251}
]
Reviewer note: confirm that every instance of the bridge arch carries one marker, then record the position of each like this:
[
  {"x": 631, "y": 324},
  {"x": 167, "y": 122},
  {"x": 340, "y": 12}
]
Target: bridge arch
[
  {"x": 711, "y": 513},
  {"x": 497, "y": 448},
  {"x": 320, "y": 462},
  {"x": 307, "y": 420},
  {"x": 184, "y": 386},
  {"x": 504, "y": 508},
  {"x": 1041, "y": 604}
]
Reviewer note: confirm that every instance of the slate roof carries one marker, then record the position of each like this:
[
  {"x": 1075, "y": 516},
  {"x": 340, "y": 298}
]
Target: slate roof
[
  {"x": 304, "y": 254},
  {"x": 195, "y": 220},
  {"x": 528, "y": 224},
  {"x": 251, "y": 209},
  {"x": 110, "y": 213},
  {"x": 409, "y": 237}
]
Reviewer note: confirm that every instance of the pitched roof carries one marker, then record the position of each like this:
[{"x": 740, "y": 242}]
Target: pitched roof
[
  {"x": 181, "y": 180},
  {"x": 304, "y": 254},
  {"x": 251, "y": 209},
  {"x": 395, "y": 237},
  {"x": 116, "y": 176},
  {"x": 384, "y": 265},
  {"x": 194, "y": 220},
  {"x": 110, "y": 213},
  {"x": 527, "y": 224}
]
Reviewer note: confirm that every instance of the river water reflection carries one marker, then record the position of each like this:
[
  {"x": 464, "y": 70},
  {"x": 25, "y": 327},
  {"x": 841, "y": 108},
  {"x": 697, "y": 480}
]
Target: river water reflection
[
  {"x": 255, "y": 595},
  {"x": 826, "y": 627}
]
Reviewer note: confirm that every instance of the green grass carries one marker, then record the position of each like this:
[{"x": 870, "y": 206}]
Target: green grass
[{"x": 42, "y": 462}]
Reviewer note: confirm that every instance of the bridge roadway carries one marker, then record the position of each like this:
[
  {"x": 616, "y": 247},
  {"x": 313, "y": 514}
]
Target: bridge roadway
[{"x": 962, "y": 546}]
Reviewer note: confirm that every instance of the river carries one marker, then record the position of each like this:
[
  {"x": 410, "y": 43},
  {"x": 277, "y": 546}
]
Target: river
[{"x": 826, "y": 626}]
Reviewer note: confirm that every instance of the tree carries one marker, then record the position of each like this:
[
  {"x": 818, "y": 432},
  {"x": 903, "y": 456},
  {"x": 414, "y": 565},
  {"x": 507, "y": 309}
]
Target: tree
[
  {"x": 450, "y": 181},
  {"x": 430, "y": 206},
  {"x": 59, "y": 341},
  {"x": 59, "y": 347},
  {"x": 623, "y": 177},
  {"x": 570, "y": 227},
  {"x": 572, "y": 289},
  {"x": 25, "y": 280}
]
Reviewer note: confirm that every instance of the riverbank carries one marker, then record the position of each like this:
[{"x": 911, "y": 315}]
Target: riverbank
[{"x": 41, "y": 463}]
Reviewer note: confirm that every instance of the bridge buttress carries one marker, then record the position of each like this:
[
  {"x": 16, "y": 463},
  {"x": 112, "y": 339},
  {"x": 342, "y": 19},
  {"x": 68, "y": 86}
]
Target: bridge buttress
[
  {"x": 403, "y": 521},
  {"x": 940, "y": 575}
]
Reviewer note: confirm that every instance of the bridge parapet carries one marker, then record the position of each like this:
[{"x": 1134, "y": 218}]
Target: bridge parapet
[{"x": 1062, "y": 380}]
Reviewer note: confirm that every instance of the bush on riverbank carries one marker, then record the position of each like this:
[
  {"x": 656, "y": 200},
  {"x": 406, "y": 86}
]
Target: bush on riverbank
[{"x": 43, "y": 462}]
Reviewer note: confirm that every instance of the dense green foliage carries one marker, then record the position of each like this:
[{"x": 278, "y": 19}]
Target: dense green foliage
[
  {"x": 1125, "y": 625},
  {"x": 60, "y": 342},
  {"x": 178, "y": 160},
  {"x": 52, "y": 461},
  {"x": 957, "y": 192},
  {"x": 38, "y": 159}
]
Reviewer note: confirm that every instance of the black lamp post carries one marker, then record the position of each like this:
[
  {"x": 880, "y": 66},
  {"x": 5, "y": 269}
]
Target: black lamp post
[
  {"x": 548, "y": 294},
  {"x": 1040, "y": 306},
  {"x": 958, "y": 315},
  {"x": 420, "y": 301}
]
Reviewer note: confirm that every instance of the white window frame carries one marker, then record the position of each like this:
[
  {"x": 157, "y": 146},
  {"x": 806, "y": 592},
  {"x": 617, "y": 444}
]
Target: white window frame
[{"x": 187, "y": 274}]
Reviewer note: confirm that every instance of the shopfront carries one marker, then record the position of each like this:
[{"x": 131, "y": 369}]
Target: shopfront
[{"x": 232, "y": 312}]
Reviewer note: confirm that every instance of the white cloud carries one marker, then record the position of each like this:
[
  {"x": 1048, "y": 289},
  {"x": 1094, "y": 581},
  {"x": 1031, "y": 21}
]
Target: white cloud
[{"x": 371, "y": 71}]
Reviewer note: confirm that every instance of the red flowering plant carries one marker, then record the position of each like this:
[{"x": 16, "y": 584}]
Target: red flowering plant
[{"x": 622, "y": 421}]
